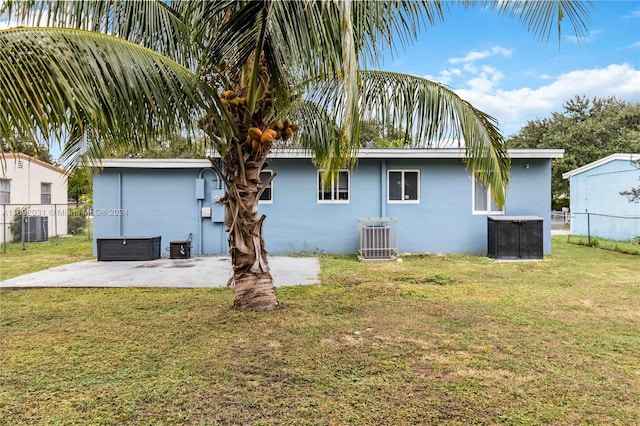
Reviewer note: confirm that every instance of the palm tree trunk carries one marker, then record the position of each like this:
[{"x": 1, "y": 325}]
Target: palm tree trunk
[{"x": 254, "y": 288}]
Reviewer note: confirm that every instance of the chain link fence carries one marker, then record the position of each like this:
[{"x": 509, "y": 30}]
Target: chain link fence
[
  {"x": 605, "y": 226},
  {"x": 560, "y": 219},
  {"x": 22, "y": 223}
]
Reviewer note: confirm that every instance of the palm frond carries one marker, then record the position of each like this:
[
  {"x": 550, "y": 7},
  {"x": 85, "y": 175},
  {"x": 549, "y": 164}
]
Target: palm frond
[
  {"x": 154, "y": 24},
  {"x": 381, "y": 25},
  {"x": 55, "y": 82},
  {"x": 542, "y": 17},
  {"x": 432, "y": 115}
]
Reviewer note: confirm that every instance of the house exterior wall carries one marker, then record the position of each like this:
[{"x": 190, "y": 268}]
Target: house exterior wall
[
  {"x": 597, "y": 191},
  {"x": 26, "y": 175},
  {"x": 442, "y": 222},
  {"x": 162, "y": 202},
  {"x": 130, "y": 202}
]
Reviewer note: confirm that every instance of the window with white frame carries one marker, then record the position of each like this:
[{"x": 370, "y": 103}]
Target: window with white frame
[
  {"x": 5, "y": 191},
  {"x": 267, "y": 195},
  {"x": 403, "y": 186},
  {"x": 337, "y": 191},
  {"x": 483, "y": 202},
  {"x": 45, "y": 193}
]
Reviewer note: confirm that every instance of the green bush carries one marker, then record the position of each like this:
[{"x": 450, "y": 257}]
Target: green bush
[
  {"x": 558, "y": 203},
  {"x": 76, "y": 220},
  {"x": 16, "y": 225}
]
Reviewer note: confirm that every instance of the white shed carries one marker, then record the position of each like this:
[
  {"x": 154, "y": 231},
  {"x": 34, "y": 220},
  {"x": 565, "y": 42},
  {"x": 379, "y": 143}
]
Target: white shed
[{"x": 598, "y": 208}]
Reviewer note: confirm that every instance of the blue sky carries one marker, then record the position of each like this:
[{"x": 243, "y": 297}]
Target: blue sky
[
  {"x": 501, "y": 68},
  {"x": 506, "y": 71}
]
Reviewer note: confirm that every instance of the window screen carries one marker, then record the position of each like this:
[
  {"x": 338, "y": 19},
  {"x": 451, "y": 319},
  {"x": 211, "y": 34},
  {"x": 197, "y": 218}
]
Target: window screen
[
  {"x": 267, "y": 194},
  {"x": 45, "y": 193},
  {"x": 5, "y": 191},
  {"x": 404, "y": 186},
  {"x": 337, "y": 191}
]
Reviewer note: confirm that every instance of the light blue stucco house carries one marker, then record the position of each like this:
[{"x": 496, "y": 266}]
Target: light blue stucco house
[
  {"x": 597, "y": 208},
  {"x": 437, "y": 205}
]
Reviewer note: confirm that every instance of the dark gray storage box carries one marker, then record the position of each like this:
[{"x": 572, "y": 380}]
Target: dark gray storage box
[
  {"x": 180, "y": 249},
  {"x": 515, "y": 237},
  {"x": 128, "y": 248}
]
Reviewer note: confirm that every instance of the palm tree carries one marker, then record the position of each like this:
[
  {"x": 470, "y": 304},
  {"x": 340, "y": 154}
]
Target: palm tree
[{"x": 251, "y": 75}]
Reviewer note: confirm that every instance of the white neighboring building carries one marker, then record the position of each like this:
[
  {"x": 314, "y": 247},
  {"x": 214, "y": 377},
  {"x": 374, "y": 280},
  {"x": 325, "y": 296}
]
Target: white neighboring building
[{"x": 41, "y": 187}]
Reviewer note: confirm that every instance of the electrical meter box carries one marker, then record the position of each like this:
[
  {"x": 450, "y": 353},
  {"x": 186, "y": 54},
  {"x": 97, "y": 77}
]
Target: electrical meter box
[
  {"x": 199, "y": 189},
  {"x": 217, "y": 208}
]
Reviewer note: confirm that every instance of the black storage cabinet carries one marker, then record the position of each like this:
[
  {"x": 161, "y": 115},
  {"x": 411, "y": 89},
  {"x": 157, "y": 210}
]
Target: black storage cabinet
[
  {"x": 180, "y": 249},
  {"x": 128, "y": 248},
  {"x": 515, "y": 237}
]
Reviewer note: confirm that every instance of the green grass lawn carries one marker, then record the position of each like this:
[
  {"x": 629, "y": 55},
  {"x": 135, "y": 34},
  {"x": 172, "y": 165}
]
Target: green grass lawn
[
  {"x": 43, "y": 255},
  {"x": 629, "y": 247},
  {"x": 432, "y": 340}
]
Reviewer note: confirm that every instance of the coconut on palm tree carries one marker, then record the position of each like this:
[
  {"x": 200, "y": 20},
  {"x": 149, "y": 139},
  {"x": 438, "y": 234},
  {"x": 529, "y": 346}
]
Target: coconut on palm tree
[{"x": 251, "y": 75}]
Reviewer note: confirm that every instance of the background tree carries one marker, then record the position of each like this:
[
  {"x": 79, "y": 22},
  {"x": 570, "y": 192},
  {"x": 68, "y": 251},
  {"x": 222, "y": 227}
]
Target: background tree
[
  {"x": 178, "y": 146},
  {"x": 634, "y": 193},
  {"x": 249, "y": 74},
  {"x": 33, "y": 149},
  {"x": 373, "y": 134},
  {"x": 587, "y": 130},
  {"x": 80, "y": 186}
]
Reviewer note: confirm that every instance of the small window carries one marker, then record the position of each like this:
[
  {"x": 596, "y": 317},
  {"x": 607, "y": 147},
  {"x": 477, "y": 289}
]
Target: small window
[
  {"x": 483, "y": 202},
  {"x": 267, "y": 195},
  {"x": 45, "y": 193},
  {"x": 5, "y": 191},
  {"x": 337, "y": 191},
  {"x": 403, "y": 186}
]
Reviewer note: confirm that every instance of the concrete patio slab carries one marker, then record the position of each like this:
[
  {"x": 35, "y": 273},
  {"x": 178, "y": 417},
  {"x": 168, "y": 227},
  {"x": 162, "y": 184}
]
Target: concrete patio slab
[{"x": 196, "y": 272}]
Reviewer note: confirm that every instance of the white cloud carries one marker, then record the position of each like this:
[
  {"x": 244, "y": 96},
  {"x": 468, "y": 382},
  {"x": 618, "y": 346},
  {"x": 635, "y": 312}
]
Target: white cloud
[
  {"x": 445, "y": 76},
  {"x": 486, "y": 80},
  {"x": 513, "y": 108},
  {"x": 475, "y": 55},
  {"x": 585, "y": 39},
  {"x": 470, "y": 68},
  {"x": 634, "y": 14}
]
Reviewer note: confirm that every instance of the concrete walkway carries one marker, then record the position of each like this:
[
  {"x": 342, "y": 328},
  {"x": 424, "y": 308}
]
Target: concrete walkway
[{"x": 196, "y": 272}]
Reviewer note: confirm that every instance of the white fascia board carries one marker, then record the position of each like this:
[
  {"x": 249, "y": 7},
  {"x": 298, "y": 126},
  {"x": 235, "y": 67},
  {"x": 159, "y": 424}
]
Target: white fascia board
[
  {"x": 153, "y": 163},
  {"x": 536, "y": 153},
  {"x": 600, "y": 162},
  {"x": 450, "y": 153},
  {"x": 416, "y": 153}
]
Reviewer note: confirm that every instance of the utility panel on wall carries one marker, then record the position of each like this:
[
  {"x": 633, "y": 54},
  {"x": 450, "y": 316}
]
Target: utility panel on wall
[
  {"x": 199, "y": 189},
  {"x": 217, "y": 208}
]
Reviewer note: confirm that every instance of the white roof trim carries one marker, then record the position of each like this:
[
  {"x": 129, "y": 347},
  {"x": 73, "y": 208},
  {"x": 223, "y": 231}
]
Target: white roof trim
[
  {"x": 600, "y": 162},
  {"x": 153, "y": 163},
  {"x": 451, "y": 153},
  {"x": 414, "y": 153}
]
